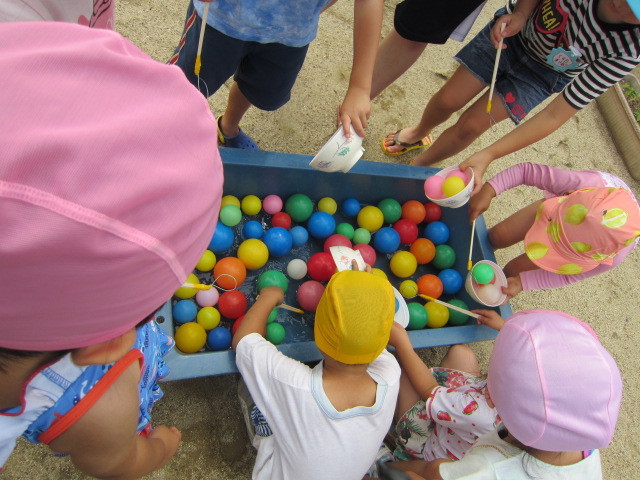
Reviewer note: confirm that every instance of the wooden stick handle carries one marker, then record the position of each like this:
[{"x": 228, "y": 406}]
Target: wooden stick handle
[
  {"x": 452, "y": 307},
  {"x": 473, "y": 231},
  {"x": 495, "y": 69},
  {"x": 284, "y": 306}
]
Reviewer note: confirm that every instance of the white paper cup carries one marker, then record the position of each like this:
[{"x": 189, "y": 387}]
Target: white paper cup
[
  {"x": 461, "y": 197},
  {"x": 475, "y": 290},
  {"x": 339, "y": 153}
]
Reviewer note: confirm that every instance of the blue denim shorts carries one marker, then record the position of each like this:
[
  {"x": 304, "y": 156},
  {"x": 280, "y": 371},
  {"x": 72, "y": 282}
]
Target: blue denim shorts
[{"x": 522, "y": 82}]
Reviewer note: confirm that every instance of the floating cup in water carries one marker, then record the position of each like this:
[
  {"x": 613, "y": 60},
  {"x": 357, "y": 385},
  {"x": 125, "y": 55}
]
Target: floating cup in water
[
  {"x": 490, "y": 294},
  {"x": 339, "y": 153},
  {"x": 461, "y": 197}
]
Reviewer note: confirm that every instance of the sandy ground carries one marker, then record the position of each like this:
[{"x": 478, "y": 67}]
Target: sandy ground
[{"x": 214, "y": 444}]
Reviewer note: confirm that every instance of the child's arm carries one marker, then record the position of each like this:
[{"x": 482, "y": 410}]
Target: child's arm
[
  {"x": 514, "y": 21},
  {"x": 490, "y": 318},
  {"x": 255, "y": 320}
]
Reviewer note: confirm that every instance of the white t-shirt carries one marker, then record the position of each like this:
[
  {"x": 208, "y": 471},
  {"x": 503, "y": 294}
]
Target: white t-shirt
[
  {"x": 311, "y": 440},
  {"x": 491, "y": 458},
  {"x": 92, "y": 13}
]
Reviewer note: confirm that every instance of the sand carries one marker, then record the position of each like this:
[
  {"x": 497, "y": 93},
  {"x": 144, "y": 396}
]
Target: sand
[{"x": 215, "y": 445}]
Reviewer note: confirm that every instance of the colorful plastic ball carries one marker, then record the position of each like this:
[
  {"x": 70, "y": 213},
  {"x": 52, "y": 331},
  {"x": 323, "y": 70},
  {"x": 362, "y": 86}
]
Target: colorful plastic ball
[
  {"x": 251, "y": 205},
  {"x": 423, "y": 249},
  {"x": 413, "y": 210},
  {"x": 207, "y": 298},
  {"x": 346, "y": 229},
  {"x": 370, "y": 218},
  {"x": 253, "y": 253},
  {"x": 437, "y": 232},
  {"x": 457, "y": 173},
  {"x": 386, "y": 240},
  {"x": 452, "y": 186},
  {"x": 275, "y": 333},
  {"x": 445, "y": 257},
  {"x": 368, "y": 253},
  {"x": 451, "y": 281},
  {"x": 278, "y": 240},
  {"x": 229, "y": 273},
  {"x": 391, "y": 209},
  {"x": 351, "y": 207},
  {"x": 232, "y": 304},
  {"x": 437, "y": 315},
  {"x": 236, "y": 324},
  {"x": 208, "y": 317},
  {"x": 282, "y": 220},
  {"x": 336, "y": 240},
  {"x": 403, "y": 264},
  {"x": 489, "y": 293},
  {"x": 361, "y": 235},
  {"x": 321, "y": 266},
  {"x": 230, "y": 215},
  {"x": 308, "y": 295},
  {"x": 430, "y": 285},
  {"x": 219, "y": 339},
  {"x": 457, "y": 318},
  {"x": 433, "y": 186},
  {"x": 190, "y": 337},
  {"x": 417, "y": 316},
  {"x": 328, "y": 204},
  {"x": 185, "y": 292},
  {"x": 207, "y": 261},
  {"x": 300, "y": 235},
  {"x": 299, "y": 206},
  {"x": 252, "y": 229},
  {"x": 321, "y": 225},
  {"x": 272, "y": 204},
  {"x": 272, "y": 278},
  {"x": 407, "y": 229},
  {"x": 379, "y": 273},
  {"x": 184, "y": 311},
  {"x": 408, "y": 289},
  {"x": 272, "y": 316},
  {"x": 297, "y": 268},
  {"x": 483, "y": 273},
  {"x": 222, "y": 239},
  {"x": 229, "y": 200},
  {"x": 433, "y": 212}
]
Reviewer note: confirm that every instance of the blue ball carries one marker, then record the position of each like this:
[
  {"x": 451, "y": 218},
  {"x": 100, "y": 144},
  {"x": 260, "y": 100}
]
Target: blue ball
[
  {"x": 321, "y": 225},
  {"x": 300, "y": 235},
  {"x": 437, "y": 232},
  {"x": 184, "y": 311},
  {"x": 451, "y": 281},
  {"x": 351, "y": 207},
  {"x": 386, "y": 240},
  {"x": 219, "y": 339},
  {"x": 278, "y": 240},
  {"x": 222, "y": 239},
  {"x": 252, "y": 229}
]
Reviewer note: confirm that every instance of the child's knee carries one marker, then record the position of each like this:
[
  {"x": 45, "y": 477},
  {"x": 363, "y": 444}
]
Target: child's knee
[{"x": 469, "y": 127}]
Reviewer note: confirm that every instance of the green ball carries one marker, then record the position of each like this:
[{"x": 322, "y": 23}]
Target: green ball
[
  {"x": 271, "y": 278},
  {"x": 272, "y": 316},
  {"x": 417, "y": 316},
  {"x": 299, "y": 207},
  {"x": 275, "y": 333},
  {"x": 445, "y": 257},
  {"x": 391, "y": 209},
  {"x": 230, "y": 215},
  {"x": 457, "y": 318},
  {"x": 361, "y": 235},
  {"x": 483, "y": 273},
  {"x": 345, "y": 229}
]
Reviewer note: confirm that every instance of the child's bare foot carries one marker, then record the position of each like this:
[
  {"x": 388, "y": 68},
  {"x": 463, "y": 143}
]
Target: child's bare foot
[{"x": 403, "y": 141}]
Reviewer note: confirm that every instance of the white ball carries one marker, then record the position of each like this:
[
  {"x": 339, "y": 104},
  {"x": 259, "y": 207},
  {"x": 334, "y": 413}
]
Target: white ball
[
  {"x": 490, "y": 294},
  {"x": 296, "y": 269}
]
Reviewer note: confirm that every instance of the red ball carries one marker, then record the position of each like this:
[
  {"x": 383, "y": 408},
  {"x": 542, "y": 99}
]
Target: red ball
[
  {"x": 433, "y": 212},
  {"x": 368, "y": 253},
  {"x": 236, "y": 324},
  {"x": 281, "y": 219},
  {"x": 321, "y": 266},
  {"x": 336, "y": 240},
  {"x": 309, "y": 294},
  {"x": 232, "y": 304},
  {"x": 429, "y": 285},
  {"x": 407, "y": 229},
  {"x": 414, "y": 211}
]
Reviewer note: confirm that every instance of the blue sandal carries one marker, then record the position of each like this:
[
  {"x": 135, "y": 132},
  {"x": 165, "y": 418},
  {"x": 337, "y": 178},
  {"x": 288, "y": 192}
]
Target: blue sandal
[{"x": 241, "y": 140}]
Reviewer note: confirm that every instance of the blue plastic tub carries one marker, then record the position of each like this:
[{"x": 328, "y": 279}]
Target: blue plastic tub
[{"x": 263, "y": 173}]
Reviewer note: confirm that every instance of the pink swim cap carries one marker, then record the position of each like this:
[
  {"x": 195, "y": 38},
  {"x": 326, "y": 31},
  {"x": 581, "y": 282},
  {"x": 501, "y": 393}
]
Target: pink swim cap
[
  {"x": 554, "y": 385},
  {"x": 110, "y": 184}
]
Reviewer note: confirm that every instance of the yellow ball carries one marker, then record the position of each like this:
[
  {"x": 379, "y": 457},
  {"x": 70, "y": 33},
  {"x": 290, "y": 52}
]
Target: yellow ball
[
  {"x": 452, "y": 186},
  {"x": 207, "y": 261},
  {"x": 437, "y": 315},
  {"x": 370, "y": 218},
  {"x": 408, "y": 289},
  {"x": 328, "y": 205},
  {"x": 229, "y": 200},
  {"x": 403, "y": 264},
  {"x": 380, "y": 273},
  {"x": 184, "y": 292},
  {"x": 251, "y": 205},
  {"x": 208, "y": 317},
  {"x": 190, "y": 337},
  {"x": 253, "y": 253}
]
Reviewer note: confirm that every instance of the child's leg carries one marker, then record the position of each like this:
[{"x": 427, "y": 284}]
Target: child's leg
[
  {"x": 521, "y": 263},
  {"x": 513, "y": 229},
  {"x": 407, "y": 397},
  {"x": 461, "y": 358},
  {"x": 237, "y": 106}
]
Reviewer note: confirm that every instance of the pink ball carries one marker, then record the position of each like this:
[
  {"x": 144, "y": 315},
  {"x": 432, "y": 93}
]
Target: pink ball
[
  {"x": 207, "y": 298},
  {"x": 407, "y": 229},
  {"x": 433, "y": 186},
  {"x": 368, "y": 253},
  {"x": 272, "y": 204},
  {"x": 321, "y": 266},
  {"x": 459, "y": 174},
  {"x": 336, "y": 240},
  {"x": 309, "y": 294}
]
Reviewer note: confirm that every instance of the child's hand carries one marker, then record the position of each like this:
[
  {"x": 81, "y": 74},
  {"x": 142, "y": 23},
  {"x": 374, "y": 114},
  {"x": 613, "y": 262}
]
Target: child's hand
[
  {"x": 490, "y": 318},
  {"x": 355, "y": 111},
  {"x": 398, "y": 336},
  {"x": 480, "y": 203},
  {"x": 513, "y": 288},
  {"x": 272, "y": 294},
  {"x": 170, "y": 437},
  {"x": 513, "y": 24},
  {"x": 479, "y": 162},
  {"x": 354, "y": 264}
]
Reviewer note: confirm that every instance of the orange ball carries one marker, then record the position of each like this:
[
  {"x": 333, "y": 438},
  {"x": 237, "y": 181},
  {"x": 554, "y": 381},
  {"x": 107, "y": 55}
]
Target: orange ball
[
  {"x": 229, "y": 273},
  {"x": 414, "y": 211},
  {"x": 430, "y": 285},
  {"x": 423, "y": 249}
]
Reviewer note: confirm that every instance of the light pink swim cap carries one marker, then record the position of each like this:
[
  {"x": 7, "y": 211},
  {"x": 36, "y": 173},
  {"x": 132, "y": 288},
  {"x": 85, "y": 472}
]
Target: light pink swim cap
[{"x": 110, "y": 184}]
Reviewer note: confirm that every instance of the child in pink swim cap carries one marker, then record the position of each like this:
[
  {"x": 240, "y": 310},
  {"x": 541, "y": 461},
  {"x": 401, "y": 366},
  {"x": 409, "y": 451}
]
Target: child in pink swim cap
[
  {"x": 587, "y": 223},
  {"x": 110, "y": 186}
]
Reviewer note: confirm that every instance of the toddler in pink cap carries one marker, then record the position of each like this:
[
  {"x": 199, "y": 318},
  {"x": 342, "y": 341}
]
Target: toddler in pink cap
[
  {"x": 110, "y": 184},
  {"x": 587, "y": 223}
]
